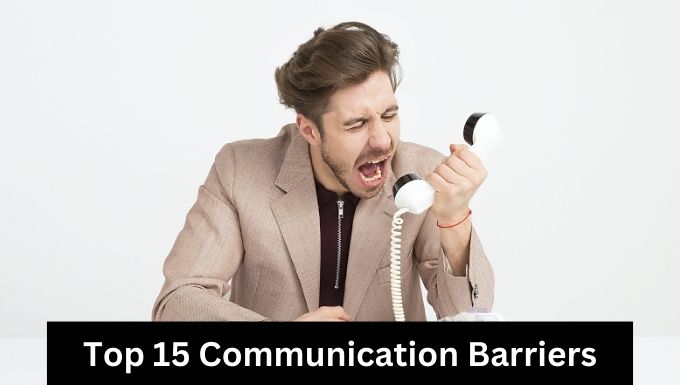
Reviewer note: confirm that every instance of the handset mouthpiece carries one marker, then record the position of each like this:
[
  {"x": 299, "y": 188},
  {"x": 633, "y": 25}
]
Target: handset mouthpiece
[{"x": 413, "y": 193}]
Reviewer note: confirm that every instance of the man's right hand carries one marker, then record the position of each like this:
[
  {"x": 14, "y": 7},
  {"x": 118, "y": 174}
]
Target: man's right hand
[{"x": 326, "y": 313}]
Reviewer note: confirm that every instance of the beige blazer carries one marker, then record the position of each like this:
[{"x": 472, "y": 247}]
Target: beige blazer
[{"x": 253, "y": 233}]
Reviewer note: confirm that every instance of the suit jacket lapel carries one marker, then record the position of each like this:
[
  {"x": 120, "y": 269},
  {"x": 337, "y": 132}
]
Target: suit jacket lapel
[
  {"x": 370, "y": 242},
  {"x": 297, "y": 214}
]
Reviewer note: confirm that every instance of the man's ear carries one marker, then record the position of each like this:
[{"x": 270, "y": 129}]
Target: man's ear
[{"x": 308, "y": 130}]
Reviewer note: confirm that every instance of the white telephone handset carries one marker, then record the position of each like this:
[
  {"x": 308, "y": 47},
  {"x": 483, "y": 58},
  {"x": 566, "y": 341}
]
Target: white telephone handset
[{"x": 414, "y": 195}]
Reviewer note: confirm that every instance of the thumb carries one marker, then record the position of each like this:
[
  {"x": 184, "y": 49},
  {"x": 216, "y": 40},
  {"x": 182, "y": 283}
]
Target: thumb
[
  {"x": 457, "y": 147},
  {"x": 340, "y": 313}
]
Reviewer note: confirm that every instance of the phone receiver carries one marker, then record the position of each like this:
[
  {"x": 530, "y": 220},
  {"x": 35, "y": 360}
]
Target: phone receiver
[
  {"x": 482, "y": 132},
  {"x": 414, "y": 195}
]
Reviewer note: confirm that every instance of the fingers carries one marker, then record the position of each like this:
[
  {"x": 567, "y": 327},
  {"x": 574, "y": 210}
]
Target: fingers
[
  {"x": 345, "y": 317},
  {"x": 336, "y": 312},
  {"x": 466, "y": 163},
  {"x": 439, "y": 183},
  {"x": 457, "y": 165},
  {"x": 340, "y": 313},
  {"x": 450, "y": 175},
  {"x": 462, "y": 151}
]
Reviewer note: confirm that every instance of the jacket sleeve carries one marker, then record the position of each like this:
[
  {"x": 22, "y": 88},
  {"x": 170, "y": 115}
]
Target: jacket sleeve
[
  {"x": 450, "y": 294},
  {"x": 206, "y": 255}
]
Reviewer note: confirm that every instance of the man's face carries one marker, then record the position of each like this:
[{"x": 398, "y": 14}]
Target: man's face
[{"x": 360, "y": 135}]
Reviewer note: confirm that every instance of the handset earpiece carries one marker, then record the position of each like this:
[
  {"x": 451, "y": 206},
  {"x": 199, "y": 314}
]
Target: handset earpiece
[{"x": 483, "y": 133}]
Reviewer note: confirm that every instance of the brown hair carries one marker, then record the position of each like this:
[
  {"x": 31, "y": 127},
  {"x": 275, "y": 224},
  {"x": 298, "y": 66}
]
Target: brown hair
[{"x": 344, "y": 55}]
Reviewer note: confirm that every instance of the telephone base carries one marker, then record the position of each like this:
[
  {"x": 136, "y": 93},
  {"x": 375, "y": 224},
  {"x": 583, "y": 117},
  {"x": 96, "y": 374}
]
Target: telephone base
[{"x": 474, "y": 315}]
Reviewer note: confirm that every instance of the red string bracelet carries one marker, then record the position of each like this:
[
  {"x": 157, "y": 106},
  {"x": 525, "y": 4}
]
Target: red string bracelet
[{"x": 455, "y": 224}]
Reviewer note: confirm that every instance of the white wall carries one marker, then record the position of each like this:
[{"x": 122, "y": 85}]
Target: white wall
[{"x": 111, "y": 113}]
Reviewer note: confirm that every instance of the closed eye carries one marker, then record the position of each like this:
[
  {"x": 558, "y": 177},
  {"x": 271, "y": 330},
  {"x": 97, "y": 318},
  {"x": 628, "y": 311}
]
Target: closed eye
[
  {"x": 358, "y": 126},
  {"x": 386, "y": 118}
]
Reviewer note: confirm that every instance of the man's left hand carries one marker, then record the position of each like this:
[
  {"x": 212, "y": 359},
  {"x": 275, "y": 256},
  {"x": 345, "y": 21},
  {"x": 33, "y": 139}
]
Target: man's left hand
[{"x": 456, "y": 180}]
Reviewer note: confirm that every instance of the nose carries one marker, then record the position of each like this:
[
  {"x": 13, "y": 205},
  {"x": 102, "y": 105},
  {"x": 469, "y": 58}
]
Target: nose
[{"x": 379, "y": 137}]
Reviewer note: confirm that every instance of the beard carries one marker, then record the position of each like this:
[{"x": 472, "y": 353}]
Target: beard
[
  {"x": 343, "y": 172},
  {"x": 339, "y": 170}
]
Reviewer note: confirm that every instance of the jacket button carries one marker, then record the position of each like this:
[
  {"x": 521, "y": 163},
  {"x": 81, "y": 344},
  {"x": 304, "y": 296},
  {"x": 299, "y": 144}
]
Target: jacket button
[{"x": 475, "y": 292}]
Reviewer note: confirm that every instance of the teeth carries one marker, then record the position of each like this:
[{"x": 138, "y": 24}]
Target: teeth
[
  {"x": 378, "y": 175},
  {"x": 378, "y": 171},
  {"x": 377, "y": 161}
]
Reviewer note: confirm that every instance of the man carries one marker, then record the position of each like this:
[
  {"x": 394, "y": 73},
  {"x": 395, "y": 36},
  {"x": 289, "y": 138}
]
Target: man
[{"x": 297, "y": 227}]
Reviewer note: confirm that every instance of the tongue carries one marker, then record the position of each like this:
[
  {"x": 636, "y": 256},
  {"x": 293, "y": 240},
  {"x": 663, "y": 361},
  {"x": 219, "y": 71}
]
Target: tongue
[{"x": 368, "y": 169}]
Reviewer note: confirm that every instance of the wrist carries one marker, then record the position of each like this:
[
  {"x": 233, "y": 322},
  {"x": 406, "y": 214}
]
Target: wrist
[{"x": 455, "y": 216}]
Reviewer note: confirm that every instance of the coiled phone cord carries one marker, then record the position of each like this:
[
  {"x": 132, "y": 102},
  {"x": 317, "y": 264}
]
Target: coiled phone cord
[{"x": 395, "y": 266}]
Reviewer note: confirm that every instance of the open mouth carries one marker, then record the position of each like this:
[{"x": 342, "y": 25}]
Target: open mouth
[{"x": 373, "y": 172}]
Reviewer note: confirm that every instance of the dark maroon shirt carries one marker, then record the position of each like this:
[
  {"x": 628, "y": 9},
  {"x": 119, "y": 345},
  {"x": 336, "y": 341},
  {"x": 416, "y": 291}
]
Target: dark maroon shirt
[{"x": 333, "y": 272}]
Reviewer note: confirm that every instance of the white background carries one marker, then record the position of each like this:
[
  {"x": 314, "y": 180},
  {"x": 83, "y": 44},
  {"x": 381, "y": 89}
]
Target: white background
[{"x": 111, "y": 114}]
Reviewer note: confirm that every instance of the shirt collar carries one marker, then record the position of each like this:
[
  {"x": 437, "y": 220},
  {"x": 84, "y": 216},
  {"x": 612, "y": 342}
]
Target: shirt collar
[{"x": 323, "y": 195}]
